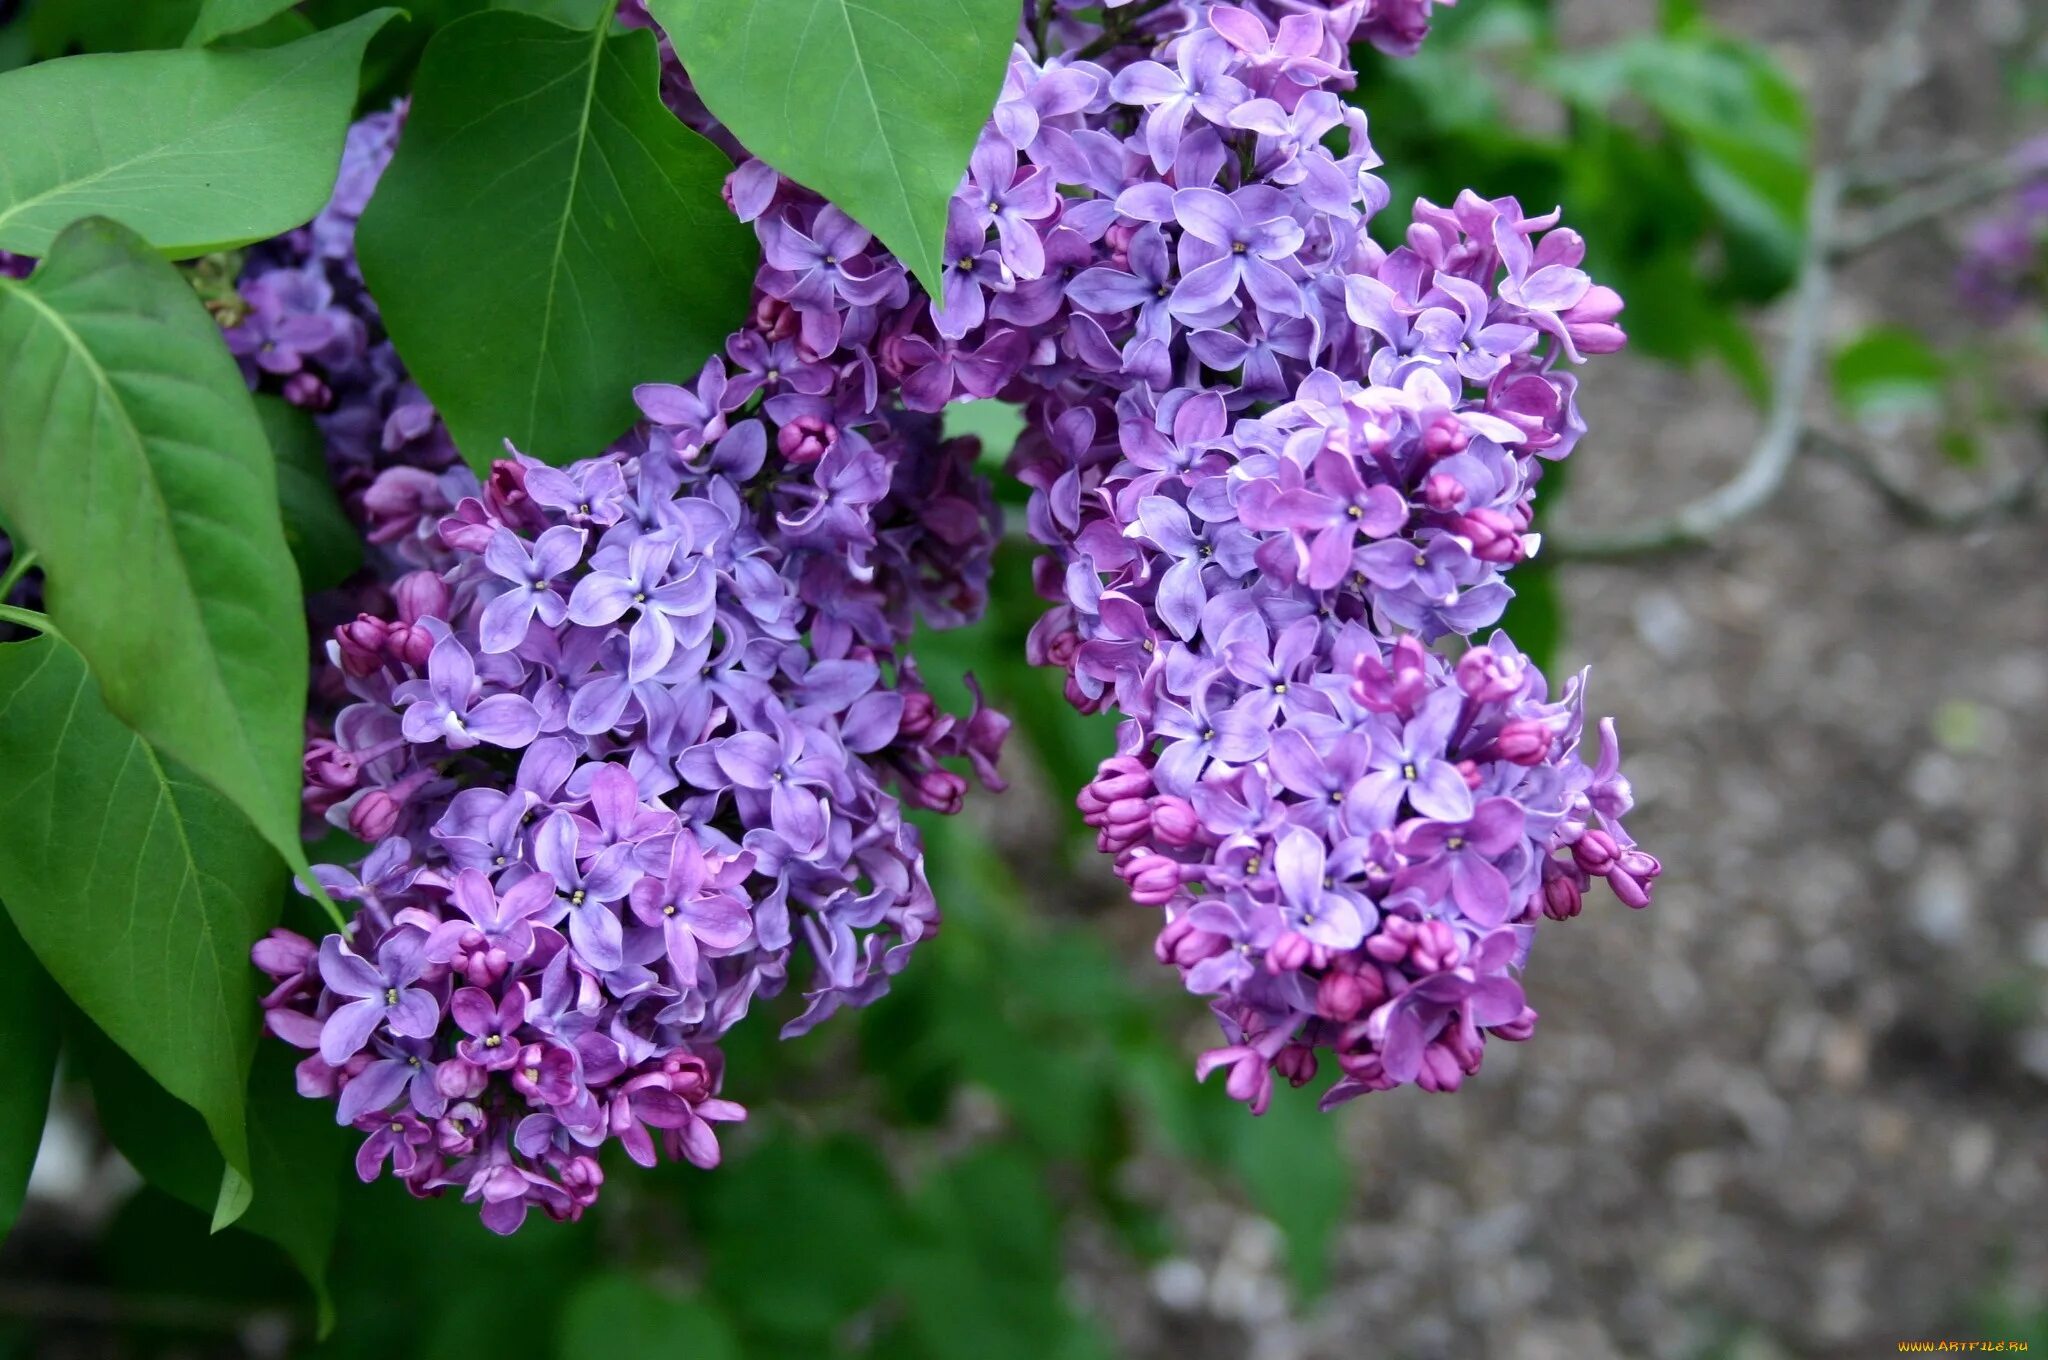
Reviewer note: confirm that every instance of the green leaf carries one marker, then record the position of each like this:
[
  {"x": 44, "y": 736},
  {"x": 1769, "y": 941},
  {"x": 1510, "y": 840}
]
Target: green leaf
[
  {"x": 58, "y": 27},
  {"x": 621, "y": 1315},
  {"x": 135, "y": 465},
  {"x": 299, "y": 1153},
  {"x": 804, "y": 1284},
  {"x": 138, "y": 887},
  {"x": 325, "y": 545},
  {"x": 220, "y": 18},
  {"x": 549, "y": 235},
  {"x": 1535, "y": 617},
  {"x": 195, "y": 150},
  {"x": 995, "y": 423},
  {"x": 987, "y": 1281},
  {"x": 29, "y": 1029},
  {"x": 1889, "y": 371},
  {"x": 876, "y": 104}
]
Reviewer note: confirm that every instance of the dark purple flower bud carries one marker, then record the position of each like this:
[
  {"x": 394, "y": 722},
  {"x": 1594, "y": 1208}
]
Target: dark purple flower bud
[
  {"x": 505, "y": 493},
  {"x": 1442, "y": 492},
  {"x": 1524, "y": 741},
  {"x": 1490, "y": 677},
  {"x": 284, "y": 954},
  {"x": 920, "y": 713},
  {"x": 1562, "y": 897},
  {"x": 398, "y": 500},
  {"x": 460, "y": 1079},
  {"x": 1340, "y": 996},
  {"x": 1518, "y": 1029},
  {"x": 1289, "y": 953},
  {"x": 1445, "y": 437},
  {"x": 1297, "y": 1063},
  {"x": 939, "y": 791},
  {"x": 305, "y": 390},
  {"x": 1590, "y": 321},
  {"x": 806, "y": 439},
  {"x": 410, "y": 645},
  {"x": 362, "y": 645},
  {"x": 1124, "y": 823},
  {"x": 420, "y": 595}
]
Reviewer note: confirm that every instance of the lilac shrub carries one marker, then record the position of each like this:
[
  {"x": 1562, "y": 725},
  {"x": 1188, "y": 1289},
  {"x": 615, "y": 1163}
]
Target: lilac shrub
[{"x": 630, "y": 737}]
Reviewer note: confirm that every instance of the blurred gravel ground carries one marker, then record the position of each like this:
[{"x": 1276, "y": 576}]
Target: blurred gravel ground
[{"x": 1797, "y": 1109}]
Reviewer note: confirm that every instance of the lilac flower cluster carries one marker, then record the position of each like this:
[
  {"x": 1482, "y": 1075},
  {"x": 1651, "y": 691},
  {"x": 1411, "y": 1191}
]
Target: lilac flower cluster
[
  {"x": 624, "y": 738},
  {"x": 305, "y": 328},
  {"x": 1272, "y": 460},
  {"x": 2005, "y": 259}
]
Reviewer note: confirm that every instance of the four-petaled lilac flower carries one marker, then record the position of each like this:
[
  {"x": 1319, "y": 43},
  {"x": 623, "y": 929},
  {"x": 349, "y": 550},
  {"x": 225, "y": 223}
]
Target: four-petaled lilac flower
[
  {"x": 500, "y": 920},
  {"x": 1463, "y": 852},
  {"x": 594, "y": 927},
  {"x": 532, "y": 574},
  {"x": 672, "y": 605},
  {"x": 1314, "y": 908},
  {"x": 1232, "y": 241},
  {"x": 492, "y": 1025},
  {"x": 383, "y": 992},
  {"x": 1408, "y": 762},
  {"x": 445, "y": 707},
  {"x": 1198, "y": 82},
  {"x": 972, "y": 272},
  {"x": 693, "y": 904}
]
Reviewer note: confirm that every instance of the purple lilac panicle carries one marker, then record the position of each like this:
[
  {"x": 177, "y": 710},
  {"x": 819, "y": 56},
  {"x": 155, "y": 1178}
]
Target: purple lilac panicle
[{"x": 623, "y": 736}]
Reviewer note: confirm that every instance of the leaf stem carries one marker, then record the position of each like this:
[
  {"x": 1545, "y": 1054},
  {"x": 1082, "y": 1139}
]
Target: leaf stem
[
  {"x": 29, "y": 618},
  {"x": 23, "y": 563}
]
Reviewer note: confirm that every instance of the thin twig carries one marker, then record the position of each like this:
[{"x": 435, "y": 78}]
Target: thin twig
[
  {"x": 1971, "y": 185},
  {"x": 23, "y": 563},
  {"x": 1703, "y": 521},
  {"x": 2020, "y": 496}
]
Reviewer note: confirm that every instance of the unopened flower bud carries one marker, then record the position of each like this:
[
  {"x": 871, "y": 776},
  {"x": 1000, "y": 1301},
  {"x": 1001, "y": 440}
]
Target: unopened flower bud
[
  {"x": 806, "y": 439},
  {"x": 1442, "y": 492},
  {"x": 1340, "y": 997},
  {"x": 1492, "y": 535},
  {"x": 1175, "y": 822},
  {"x": 1595, "y": 852},
  {"x": 421, "y": 594},
  {"x": 362, "y": 645},
  {"x": 374, "y": 815},
  {"x": 1524, "y": 741},
  {"x": 305, "y": 391}
]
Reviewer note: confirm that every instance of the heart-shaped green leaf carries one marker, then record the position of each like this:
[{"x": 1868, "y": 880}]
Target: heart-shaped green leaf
[
  {"x": 196, "y": 150},
  {"x": 549, "y": 235},
  {"x": 138, "y": 887},
  {"x": 876, "y": 104},
  {"x": 132, "y": 461}
]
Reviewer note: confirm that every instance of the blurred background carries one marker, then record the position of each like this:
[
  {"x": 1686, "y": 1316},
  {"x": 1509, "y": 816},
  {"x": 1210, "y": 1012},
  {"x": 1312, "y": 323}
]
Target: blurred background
[{"x": 1795, "y": 1109}]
